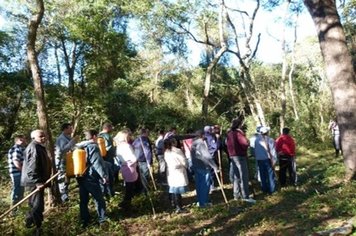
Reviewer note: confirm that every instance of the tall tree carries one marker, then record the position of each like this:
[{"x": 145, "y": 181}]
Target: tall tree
[
  {"x": 340, "y": 73},
  {"x": 34, "y": 22}
]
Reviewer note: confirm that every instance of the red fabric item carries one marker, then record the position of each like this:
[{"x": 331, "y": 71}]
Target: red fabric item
[
  {"x": 241, "y": 144},
  {"x": 285, "y": 145}
]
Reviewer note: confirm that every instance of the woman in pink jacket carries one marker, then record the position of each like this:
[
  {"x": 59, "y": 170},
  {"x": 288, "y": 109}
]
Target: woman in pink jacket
[{"x": 125, "y": 157}]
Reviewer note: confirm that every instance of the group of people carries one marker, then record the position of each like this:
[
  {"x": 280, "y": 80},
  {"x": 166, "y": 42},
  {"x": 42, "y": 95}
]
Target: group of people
[{"x": 181, "y": 158}]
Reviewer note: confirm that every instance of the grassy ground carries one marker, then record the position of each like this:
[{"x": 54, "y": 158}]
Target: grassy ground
[{"x": 321, "y": 201}]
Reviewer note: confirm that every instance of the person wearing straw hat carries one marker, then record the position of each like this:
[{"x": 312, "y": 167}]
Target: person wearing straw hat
[{"x": 36, "y": 171}]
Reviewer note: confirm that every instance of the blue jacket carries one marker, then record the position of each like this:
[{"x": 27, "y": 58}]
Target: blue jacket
[
  {"x": 95, "y": 163},
  {"x": 143, "y": 149}
]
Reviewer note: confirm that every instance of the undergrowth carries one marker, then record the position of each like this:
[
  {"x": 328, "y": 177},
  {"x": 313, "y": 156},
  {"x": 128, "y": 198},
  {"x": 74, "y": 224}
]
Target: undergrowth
[{"x": 321, "y": 201}]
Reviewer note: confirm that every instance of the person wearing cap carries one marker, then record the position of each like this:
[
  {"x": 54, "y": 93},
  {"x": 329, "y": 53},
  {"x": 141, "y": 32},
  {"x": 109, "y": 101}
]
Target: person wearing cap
[
  {"x": 285, "y": 147},
  {"x": 202, "y": 163},
  {"x": 237, "y": 146},
  {"x": 266, "y": 157}
]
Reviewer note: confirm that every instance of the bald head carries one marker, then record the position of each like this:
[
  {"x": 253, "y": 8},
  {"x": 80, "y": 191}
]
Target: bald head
[{"x": 39, "y": 136}]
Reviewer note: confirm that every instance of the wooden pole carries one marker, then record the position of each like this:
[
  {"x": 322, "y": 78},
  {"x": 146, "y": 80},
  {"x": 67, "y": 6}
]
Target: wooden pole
[
  {"x": 28, "y": 196},
  {"x": 221, "y": 188}
]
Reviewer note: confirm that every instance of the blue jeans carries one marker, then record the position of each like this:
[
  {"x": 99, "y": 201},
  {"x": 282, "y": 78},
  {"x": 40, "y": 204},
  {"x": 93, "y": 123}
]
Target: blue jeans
[
  {"x": 202, "y": 185},
  {"x": 17, "y": 190},
  {"x": 267, "y": 176},
  {"x": 240, "y": 185},
  {"x": 92, "y": 187}
]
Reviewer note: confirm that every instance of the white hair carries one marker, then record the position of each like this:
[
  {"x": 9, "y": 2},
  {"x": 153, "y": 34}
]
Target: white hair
[{"x": 35, "y": 132}]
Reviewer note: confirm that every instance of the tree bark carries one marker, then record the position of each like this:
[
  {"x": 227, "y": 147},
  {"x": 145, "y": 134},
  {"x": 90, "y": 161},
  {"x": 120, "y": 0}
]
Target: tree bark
[
  {"x": 34, "y": 23},
  {"x": 340, "y": 73}
]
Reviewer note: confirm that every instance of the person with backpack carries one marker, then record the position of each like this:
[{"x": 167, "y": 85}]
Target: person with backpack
[
  {"x": 89, "y": 183},
  {"x": 109, "y": 163},
  {"x": 266, "y": 156},
  {"x": 237, "y": 146},
  {"x": 285, "y": 147}
]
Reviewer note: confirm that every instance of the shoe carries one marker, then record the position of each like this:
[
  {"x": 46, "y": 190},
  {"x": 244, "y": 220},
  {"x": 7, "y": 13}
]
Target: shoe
[
  {"x": 249, "y": 200},
  {"x": 180, "y": 210}
]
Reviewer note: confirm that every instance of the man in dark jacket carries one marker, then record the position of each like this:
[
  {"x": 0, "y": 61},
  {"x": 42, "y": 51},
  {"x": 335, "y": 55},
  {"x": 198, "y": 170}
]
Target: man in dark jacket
[
  {"x": 36, "y": 171},
  {"x": 90, "y": 181}
]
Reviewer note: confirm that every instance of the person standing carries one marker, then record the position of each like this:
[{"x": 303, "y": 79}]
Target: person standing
[
  {"x": 143, "y": 151},
  {"x": 252, "y": 151},
  {"x": 285, "y": 147},
  {"x": 89, "y": 183},
  {"x": 64, "y": 143},
  {"x": 176, "y": 173},
  {"x": 237, "y": 146},
  {"x": 335, "y": 132},
  {"x": 109, "y": 164},
  {"x": 202, "y": 163},
  {"x": 126, "y": 156},
  {"x": 36, "y": 171},
  {"x": 15, "y": 161},
  {"x": 159, "y": 145},
  {"x": 266, "y": 157},
  {"x": 212, "y": 147}
]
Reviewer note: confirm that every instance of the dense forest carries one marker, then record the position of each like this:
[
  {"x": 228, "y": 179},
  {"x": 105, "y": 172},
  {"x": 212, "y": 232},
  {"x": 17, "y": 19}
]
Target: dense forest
[{"x": 76, "y": 61}]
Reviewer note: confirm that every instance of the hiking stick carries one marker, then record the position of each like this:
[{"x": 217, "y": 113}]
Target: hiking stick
[
  {"x": 148, "y": 194},
  {"x": 221, "y": 188},
  {"x": 28, "y": 196},
  {"x": 220, "y": 167},
  {"x": 149, "y": 166}
]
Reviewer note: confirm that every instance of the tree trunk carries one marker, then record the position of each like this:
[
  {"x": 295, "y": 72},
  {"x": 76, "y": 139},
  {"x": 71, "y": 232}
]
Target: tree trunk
[
  {"x": 283, "y": 93},
  {"x": 34, "y": 23},
  {"x": 215, "y": 60},
  {"x": 290, "y": 76},
  {"x": 340, "y": 72}
]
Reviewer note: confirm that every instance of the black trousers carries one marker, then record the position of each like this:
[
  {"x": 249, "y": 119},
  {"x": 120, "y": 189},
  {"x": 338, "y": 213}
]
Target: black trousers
[
  {"x": 287, "y": 164},
  {"x": 36, "y": 203}
]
